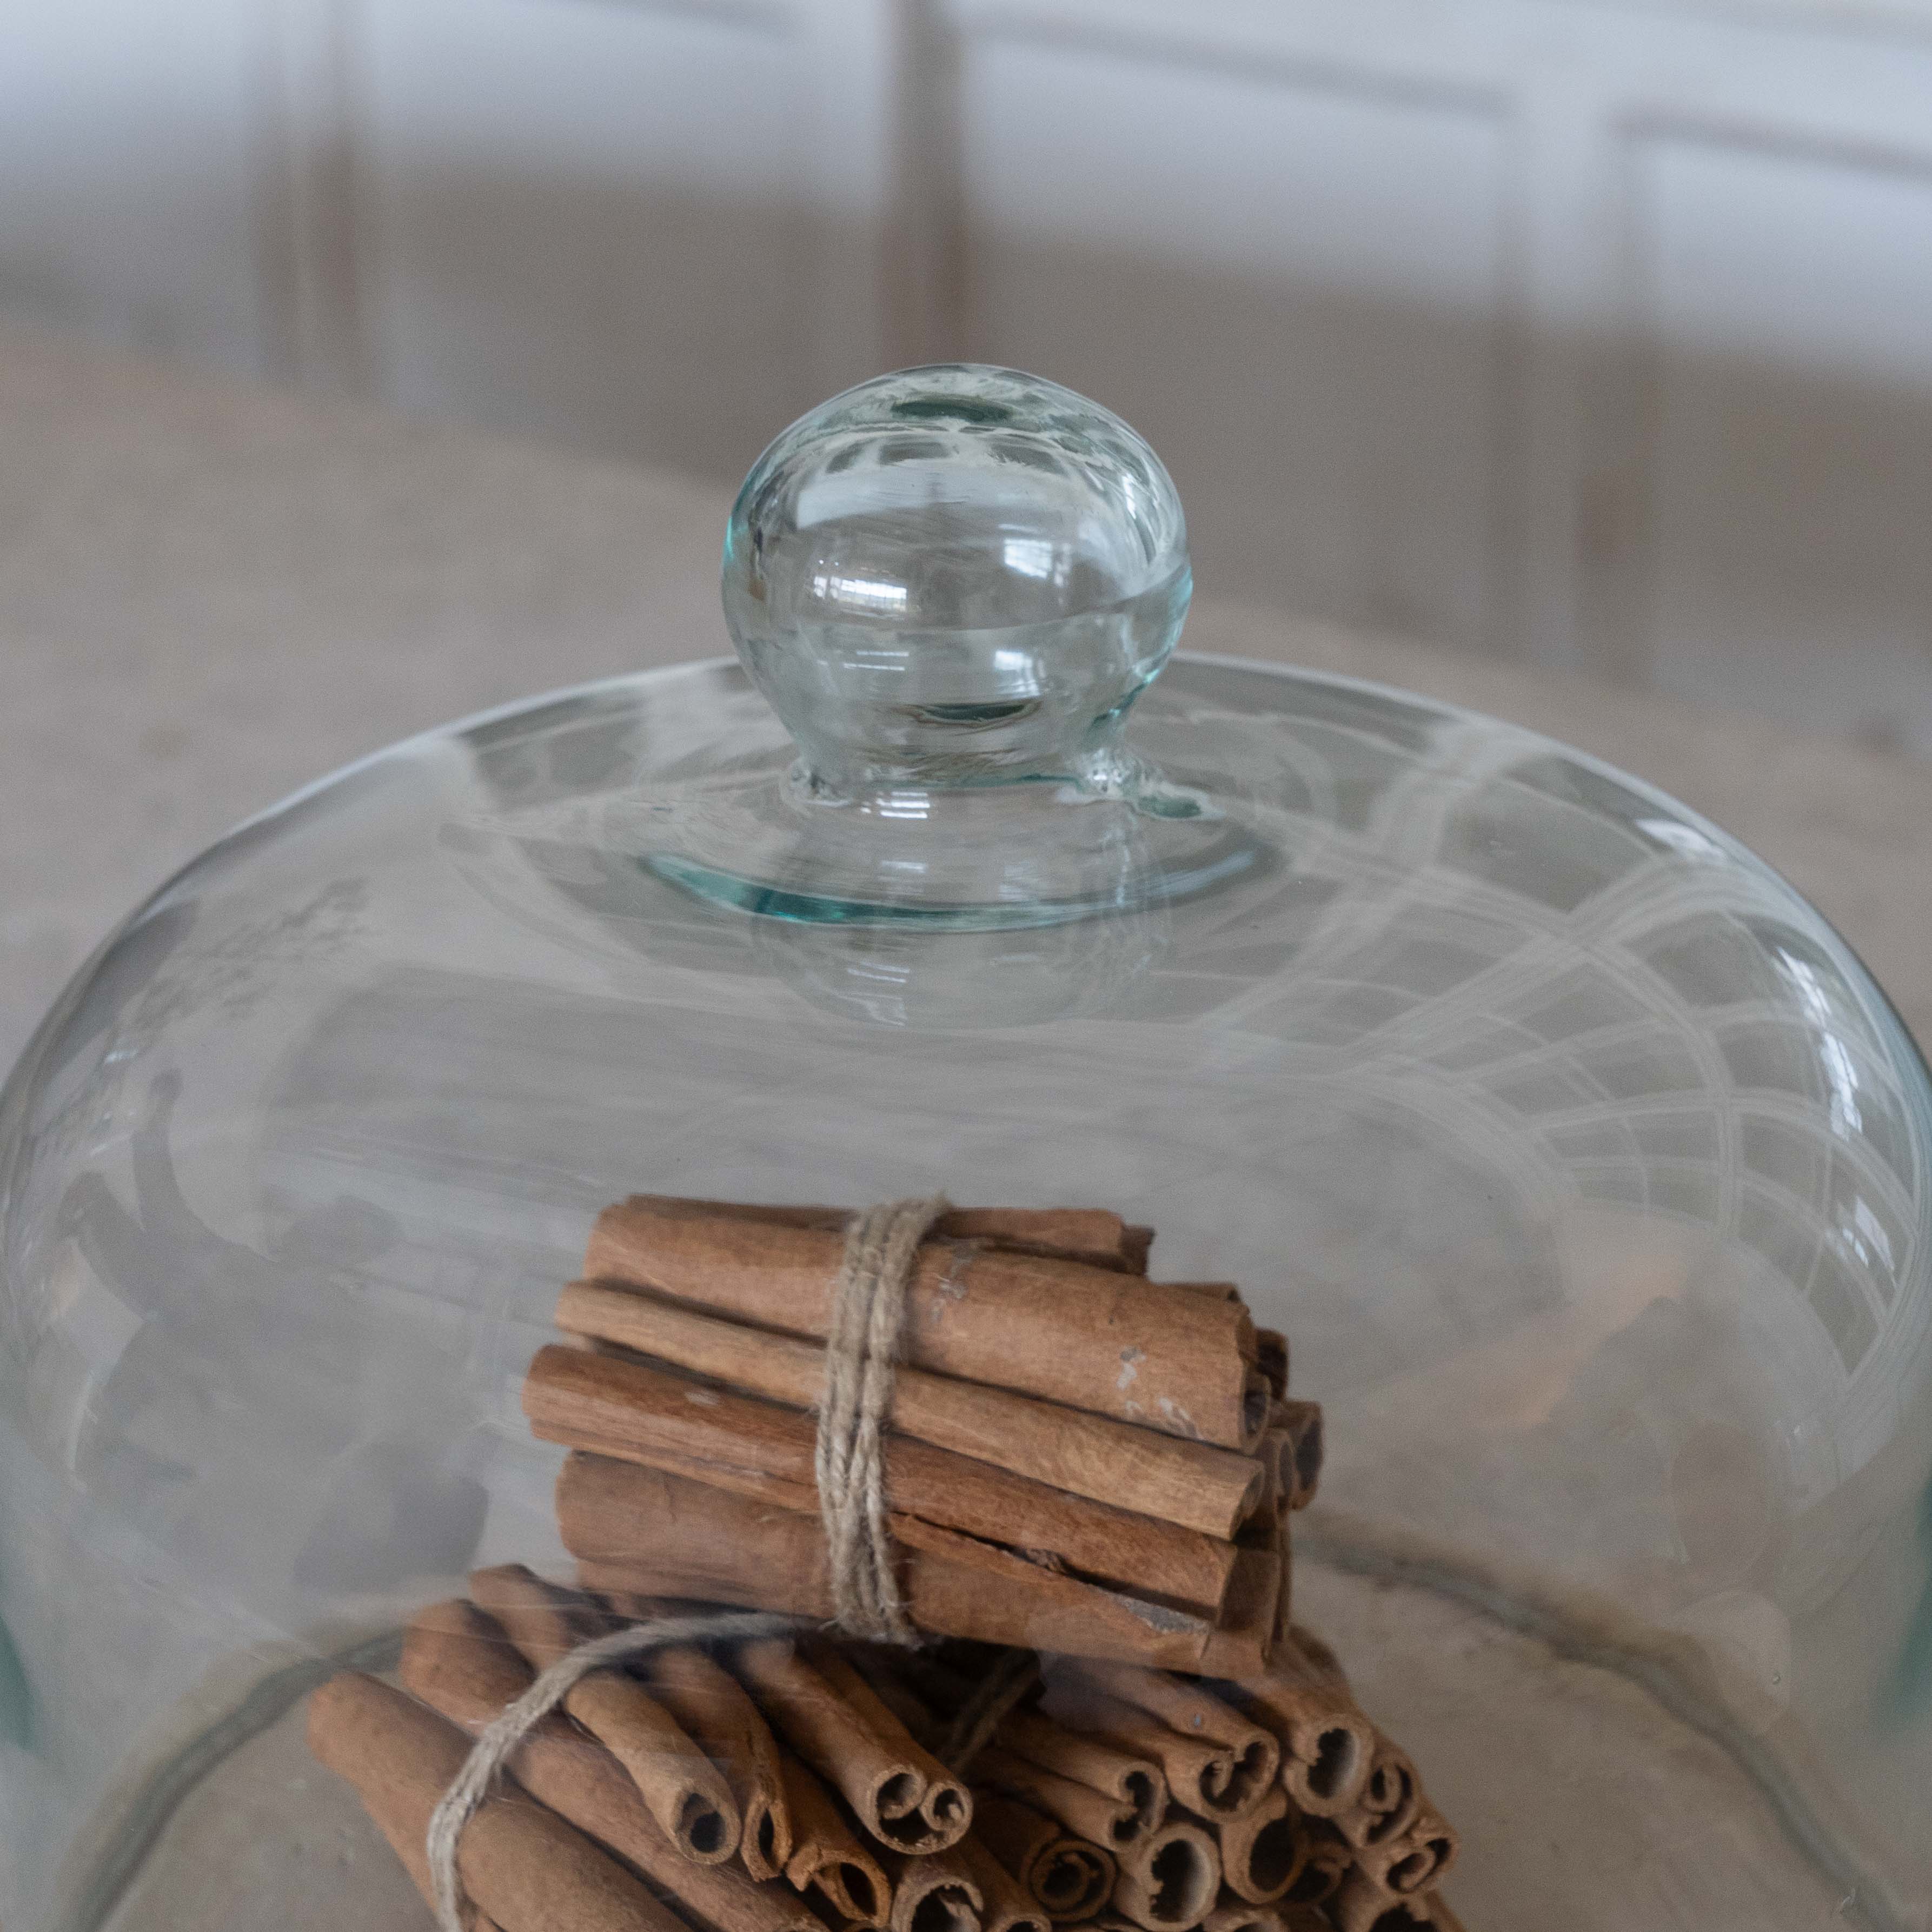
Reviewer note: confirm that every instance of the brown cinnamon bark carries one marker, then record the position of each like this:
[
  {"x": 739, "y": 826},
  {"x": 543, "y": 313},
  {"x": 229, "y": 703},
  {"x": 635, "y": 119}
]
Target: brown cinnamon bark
[
  {"x": 826, "y": 1855},
  {"x": 1069, "y": 1878},
  {"x": 636, "y": 1529},
  {"x": 938, "y": 1891},
  {"x": 1276, "y": 1454},
  {"x": 1360, "y": 1905},
  {"x": 1238, "y": 1915},
  {"x": 645, "y": 1413},
  {"x": 1128, "y": 1778},
  {"x": 902, "y": 1795},
  {"x": 460, "y": 1662},
  {"x": 713, "y": 1707},
  {"x": 1300, "y": 1470},
  {"x": 524, "y": 1867},
  {"x": 1115, "y": 1344},
  {"x": 1169, "y": 1879},
  {"x": 1110, "y": 1823},
  {"x": 1187, "y": 1766},
  {"x": 1091, "y": 1234},
  {"x": 684, "y": 1790},
  {"x": 1387, "y": 1804},
  {"x": 1263, "y": 1851},
  {"x": 633, "y": 1528},
  {"x": 1216, "y": 1761},
  {"x": 1268, "y": 1531},
  {"x": 1007, "y": 1905},
  {"x": 1327, "y": 1745},
  {"x": 911, "y": 1710},
  {"x": 1329, "y": 1860},
  {"x": 1416, "y": 1859},
  {"x": 1191, "y": 1483},
  {"x": 544, "y": 1621},
  {"x": 1243, "y": 1644},
  {"x": 960, "y": 1586},
  {"x": 1271, "y": 1357}
]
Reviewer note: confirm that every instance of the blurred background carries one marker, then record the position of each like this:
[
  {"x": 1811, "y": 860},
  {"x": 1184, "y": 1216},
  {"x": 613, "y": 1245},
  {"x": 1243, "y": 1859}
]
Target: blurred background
[{"x": 1592, "y": 333}]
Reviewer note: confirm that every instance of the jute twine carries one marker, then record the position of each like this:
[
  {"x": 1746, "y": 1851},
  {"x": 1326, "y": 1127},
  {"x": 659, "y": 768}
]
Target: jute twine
[{"x": 861, "y": 1353}]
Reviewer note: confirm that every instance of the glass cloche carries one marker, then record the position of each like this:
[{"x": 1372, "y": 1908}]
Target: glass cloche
[{"x": 1581, "y": 1165}]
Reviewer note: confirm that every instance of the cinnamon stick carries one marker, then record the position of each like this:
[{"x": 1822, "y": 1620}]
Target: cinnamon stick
[
  {"x": 1387, "y": 1801},
  {"x": 902, "y": 1795},
  {"x": 1327, "y": 1745},
  {"x": 1243, "y": 1645},
  {"x": 633, "y": 1528},
  {"x": 1130, "y": 1779},
  {"x": 1300, "y": 1424},
  {"x": 1115, "y": 1344},
  {"x": 938, "y": 1891},
  {"x": 825, "y": 1851},
  {"x": 1110, "y": 1823},
  {"x": 1069, "y": 1878},
  {"x": 1169, "y": 1878},
  {"x": 526, "y": 1869},
  {"x": 911, "y": 1710},
  {"x": 1006, "y": 1905},
  {"x": 1191, "y": 1483},
  {"x": 960, "y": 1586},
  {"x": 1360, "y": 1905},
  {"x": 684, "y": 1790},
  {"x": 1263, "y": 1851},
  {"x": 1091, "y": 1235},
  {"x": 1188, "y": 1765},
  {"x": 1216, "y": 1761},
  {"x": 1271, "y": 1357},
  {"x": 460, "y": 1662},
  {"x": 1328, "y": 1858},
  {"x": 714, "y": 1709},
  {"x": 947, "y": 1803},
  {"x": 1268, "y": 1533},
  {"x": 1415, "y": 1859},
  {"x": 1238, "y": 1915},
  {"x": 636, "y": 1529},
  {"x": 641, "y": 1413}
]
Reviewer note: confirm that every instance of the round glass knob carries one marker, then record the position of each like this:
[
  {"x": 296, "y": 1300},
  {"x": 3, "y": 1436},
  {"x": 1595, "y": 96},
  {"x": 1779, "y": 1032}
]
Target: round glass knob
[{"x": 956, "y": 576}]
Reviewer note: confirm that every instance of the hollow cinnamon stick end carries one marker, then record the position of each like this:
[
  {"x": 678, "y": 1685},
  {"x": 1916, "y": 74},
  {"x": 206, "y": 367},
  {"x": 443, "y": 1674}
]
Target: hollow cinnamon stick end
[{"x": 1271, "y": 1357}]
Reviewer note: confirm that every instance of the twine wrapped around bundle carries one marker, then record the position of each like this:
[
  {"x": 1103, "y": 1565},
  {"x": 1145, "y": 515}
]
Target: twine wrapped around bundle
[{"x": 861, "y": 1355}]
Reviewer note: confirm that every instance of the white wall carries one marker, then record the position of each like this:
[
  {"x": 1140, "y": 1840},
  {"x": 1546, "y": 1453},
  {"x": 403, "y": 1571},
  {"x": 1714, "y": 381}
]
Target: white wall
[{"x": 1598, "y": 335}]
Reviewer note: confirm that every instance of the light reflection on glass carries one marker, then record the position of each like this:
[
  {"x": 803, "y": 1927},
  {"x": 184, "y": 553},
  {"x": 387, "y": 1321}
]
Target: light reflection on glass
[
  {"x": 864, "y": 593},
  {"x": 1031, "y": 556},
  {"x": 1685, "y": 840}
]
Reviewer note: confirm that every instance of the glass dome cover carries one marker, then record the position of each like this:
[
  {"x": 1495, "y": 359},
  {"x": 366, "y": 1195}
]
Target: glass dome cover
[{"x": 1581, "y": 1161}]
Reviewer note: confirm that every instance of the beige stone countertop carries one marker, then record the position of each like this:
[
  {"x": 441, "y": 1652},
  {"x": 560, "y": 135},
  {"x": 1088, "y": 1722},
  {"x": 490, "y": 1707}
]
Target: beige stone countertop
[{"x": 210, "y": 594}]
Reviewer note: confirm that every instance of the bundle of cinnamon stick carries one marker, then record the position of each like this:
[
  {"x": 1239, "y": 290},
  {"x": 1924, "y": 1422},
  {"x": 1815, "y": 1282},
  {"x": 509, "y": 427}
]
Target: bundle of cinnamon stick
[
  {"x": 1081, "y": 1459},
  {"x": 1082, "y": 1463},
  {"x": 786, "y": 1786}
]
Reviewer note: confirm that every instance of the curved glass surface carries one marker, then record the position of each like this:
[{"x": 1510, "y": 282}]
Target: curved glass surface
[{"x": 1583, "y": 1163}]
